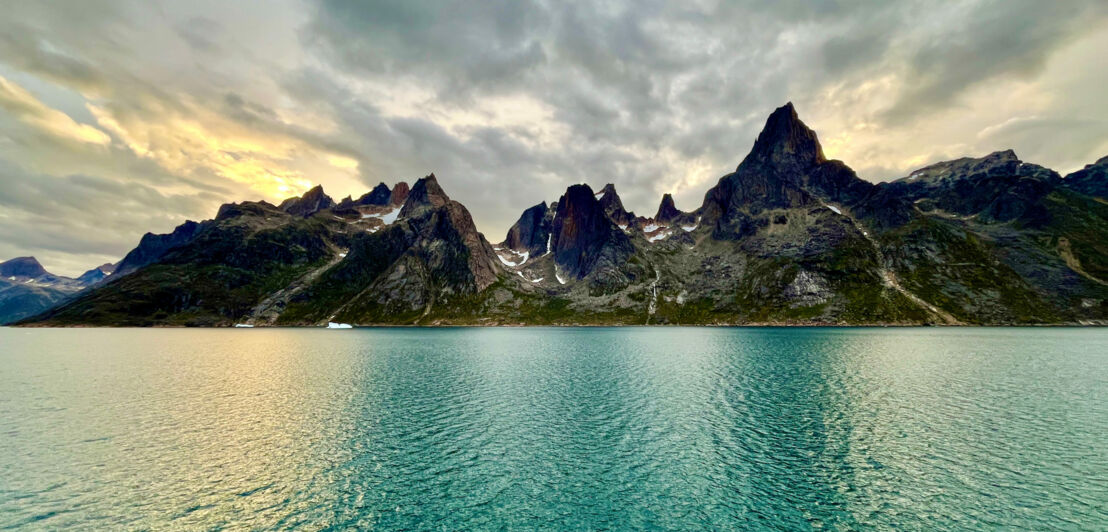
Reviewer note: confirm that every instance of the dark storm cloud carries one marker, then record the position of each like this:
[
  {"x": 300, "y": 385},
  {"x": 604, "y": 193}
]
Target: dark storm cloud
[
  {"x": 458, "y": 44},
  {"x": 653, "y": 75}
]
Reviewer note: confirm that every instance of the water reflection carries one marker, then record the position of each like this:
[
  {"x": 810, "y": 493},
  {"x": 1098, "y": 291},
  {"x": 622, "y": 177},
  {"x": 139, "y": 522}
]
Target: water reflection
[{"x": 553, "y": 428}]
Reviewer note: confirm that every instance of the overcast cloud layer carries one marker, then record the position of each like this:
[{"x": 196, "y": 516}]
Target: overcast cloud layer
[{"x": 118, "y": 118}]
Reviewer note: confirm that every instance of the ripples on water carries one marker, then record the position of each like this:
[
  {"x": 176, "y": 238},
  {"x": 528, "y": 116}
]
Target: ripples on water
[{"x": 554, "y": 428}]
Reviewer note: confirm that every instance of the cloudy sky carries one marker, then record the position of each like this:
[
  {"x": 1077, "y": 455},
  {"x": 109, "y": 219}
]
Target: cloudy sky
[{"x": 118, "y": 117}]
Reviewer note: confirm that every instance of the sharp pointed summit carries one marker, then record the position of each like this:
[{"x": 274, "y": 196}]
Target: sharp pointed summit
[
  {"x": 425, "y": 193},
  {"x": 667, "y": 210},
  {"x": 399, "y": 194},
  {"x": 785, "y": 169},
  {"x": 584, "y": 236},
  {"x": 378, "y": 196},
  {"x": 531, "y": 233},
  {"x": 785, "y": 139},
  {"x": 613, "y": 205}
]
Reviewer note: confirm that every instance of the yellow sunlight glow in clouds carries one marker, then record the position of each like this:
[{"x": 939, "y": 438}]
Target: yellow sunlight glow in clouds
[
  {"x": 205, "y": 143},
  {"x": 29, "y": 110}
]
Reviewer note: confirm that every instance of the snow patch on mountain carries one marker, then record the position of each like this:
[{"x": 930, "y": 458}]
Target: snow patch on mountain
[
  {"x": 518, "y": 260},
  {"x": 386, "y": 217}
]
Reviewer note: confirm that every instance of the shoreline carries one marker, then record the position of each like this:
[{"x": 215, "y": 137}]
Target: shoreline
[{"x": 752, "y": 325}]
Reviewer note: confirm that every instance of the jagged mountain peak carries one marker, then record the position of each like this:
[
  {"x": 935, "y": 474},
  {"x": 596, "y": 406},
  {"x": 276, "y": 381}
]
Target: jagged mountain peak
[
  {"x": 786, "y": 169},
  {"x": 425, "y": 193},
  {"x": 576, "y": 194},
  {"x": 314, "y": 192},
  {"x": 152, "y": 247},
  {"x": 399, "y": 193},
  {"x": 378, "y": 196},
  {"x": 667, "y": 210},
  {"x": 613, "y": 206},
  {"x": 382, "y": 195},
  {"x": 786, "y": 138},
  {"x": 585, "y": 238},
  {"x": 531, "y": 233},
  {"x": 1091, "y": 180},
  {"x": 313, "y": 201},
  {"x": 788, "y": 234},
  {"x": 22, "y": 267},
  {"x": 608, "y": 196}
]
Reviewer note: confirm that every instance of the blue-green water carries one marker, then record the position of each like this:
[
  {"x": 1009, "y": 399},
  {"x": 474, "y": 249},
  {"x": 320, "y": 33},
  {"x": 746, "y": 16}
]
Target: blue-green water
[{"x": 462, "y": 429}]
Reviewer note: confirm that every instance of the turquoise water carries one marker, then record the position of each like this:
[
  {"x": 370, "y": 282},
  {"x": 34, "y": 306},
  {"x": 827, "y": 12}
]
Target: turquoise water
[{"x": 462, "y": 429}]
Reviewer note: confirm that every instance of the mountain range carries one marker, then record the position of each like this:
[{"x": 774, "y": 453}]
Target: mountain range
[
  {"x": 789, "y": 237},
  {"x": 26, "y": 288}
]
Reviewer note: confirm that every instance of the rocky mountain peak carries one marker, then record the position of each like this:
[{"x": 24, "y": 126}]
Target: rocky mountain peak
[
  {"x": 1091, "y": 180},
  {"x": 998, "y": 163},
  {"x": 995, "y": 188},
  {"x": 399, "y": 194},
  {"x": 22, "y": 267},
  {"x": 425, "y": 194},
  {"x": 313, "y": 201},
  {"x": 532, "y": 231},
  {"x": 152, "y": 247},
  {"x": 378, "y": 196},
  {"x": 788, "y": 237},
  {"x": 667, "y": 210},
  {"x": 97, "y": 274},
  {"x": 584, "y": 235},
  {"x": 786, "y": 169},
  {"x": 613, "y": 205},
  {"x": 785, "y": 139}
]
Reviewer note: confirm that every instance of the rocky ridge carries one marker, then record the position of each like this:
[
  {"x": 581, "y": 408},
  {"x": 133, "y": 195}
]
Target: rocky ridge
[{"x": 789, "y": 237}]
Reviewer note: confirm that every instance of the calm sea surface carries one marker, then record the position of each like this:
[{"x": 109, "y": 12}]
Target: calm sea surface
[{"x": 622, "y": 428}]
